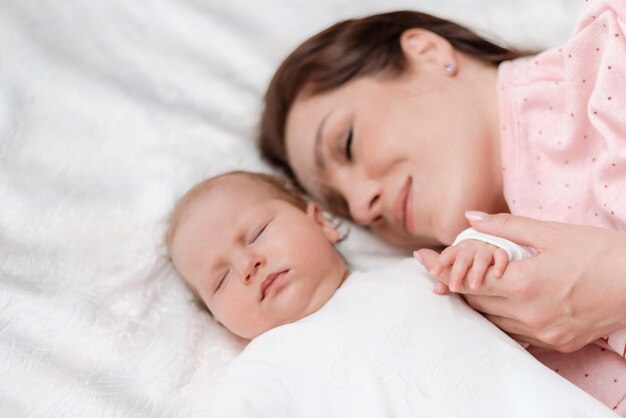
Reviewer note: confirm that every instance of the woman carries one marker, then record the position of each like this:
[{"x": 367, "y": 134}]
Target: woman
[{"x": 403, "y": 122}]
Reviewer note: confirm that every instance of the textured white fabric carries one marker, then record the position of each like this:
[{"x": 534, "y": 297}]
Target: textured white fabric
[
  {"x": 385, "y": 346},
  {"x": 109, "y": 110},
  {"x": 515, "y": 251}
]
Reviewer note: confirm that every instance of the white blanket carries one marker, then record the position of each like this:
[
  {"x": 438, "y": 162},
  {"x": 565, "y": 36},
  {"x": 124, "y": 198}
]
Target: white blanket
[
  {"x": 385, "y": 346},
  {"x": 109, "y": 110}
]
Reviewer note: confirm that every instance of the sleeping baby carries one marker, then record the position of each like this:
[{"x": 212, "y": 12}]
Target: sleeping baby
[{"x": 329, "y": 342}]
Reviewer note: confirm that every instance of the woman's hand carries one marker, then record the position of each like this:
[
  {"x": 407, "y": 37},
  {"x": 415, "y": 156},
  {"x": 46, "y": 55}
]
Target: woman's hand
[{"x": 569, "y": 294}]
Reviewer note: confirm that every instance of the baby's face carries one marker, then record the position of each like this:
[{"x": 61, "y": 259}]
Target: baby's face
[{"x": 256, "y": 261}]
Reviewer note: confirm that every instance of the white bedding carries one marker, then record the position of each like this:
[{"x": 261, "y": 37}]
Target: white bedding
[
  {"x": 109, "y": 110},
  {"x": 385, "y": 346}
]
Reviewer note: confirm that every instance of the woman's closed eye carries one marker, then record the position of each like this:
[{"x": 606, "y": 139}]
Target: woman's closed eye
[{"x": 348, "y": 145}]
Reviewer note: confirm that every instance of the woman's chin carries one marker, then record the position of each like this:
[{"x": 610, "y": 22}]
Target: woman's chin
[
  {"x": 447, "y": 227},
  {"x": 413, "y": 242}
]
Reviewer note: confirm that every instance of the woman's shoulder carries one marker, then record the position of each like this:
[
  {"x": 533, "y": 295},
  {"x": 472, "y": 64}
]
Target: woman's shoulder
[
  {"x": 602, "y": 16},
  {"x": 599, "y": 34}
]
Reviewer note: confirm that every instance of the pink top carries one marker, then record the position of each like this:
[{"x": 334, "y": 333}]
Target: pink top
[{"x": 563, "y": 127}]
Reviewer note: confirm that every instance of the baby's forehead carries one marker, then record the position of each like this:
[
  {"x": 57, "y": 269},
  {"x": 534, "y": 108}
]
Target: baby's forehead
[
  {"x": 241, "y": 185},
  {"x": 261, "y": 186},
  {"x": 239, "y": 180},
  {"x": 238, "y": 191},
  {"x": 240, "y": 194}
]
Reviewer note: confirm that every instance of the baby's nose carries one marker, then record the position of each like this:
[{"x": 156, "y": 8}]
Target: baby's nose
[{"x": 251, "y": 270}]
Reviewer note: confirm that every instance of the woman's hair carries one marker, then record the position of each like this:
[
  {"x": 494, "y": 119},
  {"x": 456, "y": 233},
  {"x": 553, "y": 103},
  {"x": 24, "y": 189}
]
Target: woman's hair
[{"x": 348, "y": 50}]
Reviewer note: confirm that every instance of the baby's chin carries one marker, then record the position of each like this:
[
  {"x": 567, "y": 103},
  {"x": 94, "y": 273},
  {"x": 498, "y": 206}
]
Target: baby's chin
[
  {"x": 250, "y": 334},
  {"x": 293, "y": 302},
  {"x": 247, "y": 330}
]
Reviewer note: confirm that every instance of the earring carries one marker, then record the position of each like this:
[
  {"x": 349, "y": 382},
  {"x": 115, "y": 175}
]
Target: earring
[{"x": 449, "y": 68}]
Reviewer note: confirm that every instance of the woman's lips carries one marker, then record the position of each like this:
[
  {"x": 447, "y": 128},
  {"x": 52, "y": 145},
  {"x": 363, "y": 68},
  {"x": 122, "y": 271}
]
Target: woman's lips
[
  {"x": 272, "y": 281},
  {"x": 403, "y": 207}
]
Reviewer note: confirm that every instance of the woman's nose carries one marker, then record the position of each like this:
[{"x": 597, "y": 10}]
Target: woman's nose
[{"x": 364, "y": 201}]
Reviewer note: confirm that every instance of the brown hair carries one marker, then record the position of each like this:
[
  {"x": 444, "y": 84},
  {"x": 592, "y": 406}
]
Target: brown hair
[{"x": 351, "y": 49}]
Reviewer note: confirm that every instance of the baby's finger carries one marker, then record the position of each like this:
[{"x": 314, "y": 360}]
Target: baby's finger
[
  {"x": 445, "y": 260},
  {"x": 462, "y": 263},
  {"x": 482, "y": 261},
  {"x": 440, "y": 288},
  {"x": 501, "y": 260}
]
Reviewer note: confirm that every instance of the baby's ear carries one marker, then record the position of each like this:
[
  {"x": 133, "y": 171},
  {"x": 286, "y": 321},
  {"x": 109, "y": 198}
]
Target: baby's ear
[{"x": 316, "y": 213}]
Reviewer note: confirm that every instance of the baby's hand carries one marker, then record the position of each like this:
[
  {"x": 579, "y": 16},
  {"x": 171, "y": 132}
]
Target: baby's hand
[{"x": 469, "y": 260}]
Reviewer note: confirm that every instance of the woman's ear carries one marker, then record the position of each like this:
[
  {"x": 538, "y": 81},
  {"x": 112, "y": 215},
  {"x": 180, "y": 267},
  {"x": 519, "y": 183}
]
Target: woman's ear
[
  {"x": 423, "y": 48},
  {"x": 315, "y": 213}
]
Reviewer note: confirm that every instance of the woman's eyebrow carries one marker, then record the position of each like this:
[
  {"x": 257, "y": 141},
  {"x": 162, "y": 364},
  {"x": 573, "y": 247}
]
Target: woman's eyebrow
[{"x": 317, "y": 150}]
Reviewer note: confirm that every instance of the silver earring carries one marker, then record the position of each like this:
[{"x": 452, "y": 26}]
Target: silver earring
[{"x": 449, "y": 68}]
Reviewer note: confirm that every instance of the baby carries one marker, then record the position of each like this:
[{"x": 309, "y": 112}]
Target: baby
[
  {"x": 259, "y": 255},
  {"x": 255, "y": 252},
  {"x": 328, "y": 343}
]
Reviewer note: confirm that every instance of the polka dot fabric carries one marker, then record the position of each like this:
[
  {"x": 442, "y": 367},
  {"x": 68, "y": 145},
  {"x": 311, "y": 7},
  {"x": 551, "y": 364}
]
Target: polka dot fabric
[{"x": 563, "y": 127}]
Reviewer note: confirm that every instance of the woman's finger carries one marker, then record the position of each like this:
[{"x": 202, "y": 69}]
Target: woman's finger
[
  {"x": 491, "y": 305},
  {"x": 529, "y": 340},
  {"x": 512, "y": 326},
  {"x": 516, "y": 280},
  {"x": 519, "y": 229}
]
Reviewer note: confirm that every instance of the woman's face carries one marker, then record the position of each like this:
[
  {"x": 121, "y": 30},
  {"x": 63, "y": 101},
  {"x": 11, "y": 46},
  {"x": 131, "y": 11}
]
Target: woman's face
[{"x": 405, "y": 156}]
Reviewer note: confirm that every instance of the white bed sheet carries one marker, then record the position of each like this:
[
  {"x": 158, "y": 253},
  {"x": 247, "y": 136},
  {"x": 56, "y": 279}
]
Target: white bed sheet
[{"x": 109, "y": 110}]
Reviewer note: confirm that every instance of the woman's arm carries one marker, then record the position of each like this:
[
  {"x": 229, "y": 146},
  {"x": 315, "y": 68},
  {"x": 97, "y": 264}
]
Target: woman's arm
[{"x": 568, "y": 295}]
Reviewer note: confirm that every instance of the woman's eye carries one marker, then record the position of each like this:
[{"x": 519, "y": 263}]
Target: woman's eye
[
  {"x": 258, "y": 232},
  {"x": 348, "y": 147}
]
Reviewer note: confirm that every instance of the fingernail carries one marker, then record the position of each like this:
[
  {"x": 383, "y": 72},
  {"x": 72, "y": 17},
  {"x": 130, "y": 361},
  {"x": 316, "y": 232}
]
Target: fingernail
[
  {"x": 417, "y": 256},
  {"x": 433, "y": 271},
  {"x": 474, "y": 215}
]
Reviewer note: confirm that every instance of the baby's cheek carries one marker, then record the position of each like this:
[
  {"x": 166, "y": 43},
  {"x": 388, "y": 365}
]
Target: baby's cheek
[{"x": 245, "y": 328}]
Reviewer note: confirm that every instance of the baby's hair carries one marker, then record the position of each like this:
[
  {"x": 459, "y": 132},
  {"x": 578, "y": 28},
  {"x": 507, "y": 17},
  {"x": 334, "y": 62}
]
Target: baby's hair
[{"x": 276, "y": 186}]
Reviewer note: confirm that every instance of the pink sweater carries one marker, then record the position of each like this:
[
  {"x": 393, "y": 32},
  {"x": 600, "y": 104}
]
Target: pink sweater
[{"x": 563, "y": 126}]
